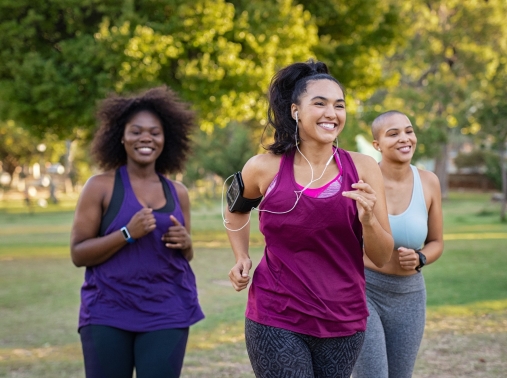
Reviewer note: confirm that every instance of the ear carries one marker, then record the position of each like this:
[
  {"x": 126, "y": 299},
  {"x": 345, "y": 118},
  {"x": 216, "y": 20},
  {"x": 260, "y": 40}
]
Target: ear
[
  {"x": 375, "y": 144},
  {"x": 294, "y": 110}
]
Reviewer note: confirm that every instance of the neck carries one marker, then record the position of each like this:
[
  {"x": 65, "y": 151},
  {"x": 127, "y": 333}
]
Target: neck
[
  {"x": 316, "y": 155},
  {"x": 395, "y": 171},
  {"x": 141, "y": 171}
]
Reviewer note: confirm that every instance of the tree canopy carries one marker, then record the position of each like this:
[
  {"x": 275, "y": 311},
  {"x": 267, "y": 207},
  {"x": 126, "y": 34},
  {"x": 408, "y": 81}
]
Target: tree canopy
[{"x": 57, "y": 59}]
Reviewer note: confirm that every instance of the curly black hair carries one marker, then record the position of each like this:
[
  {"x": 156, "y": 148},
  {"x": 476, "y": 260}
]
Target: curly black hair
[
  {"x": 285, "y": 89},
  {"x": 116, "y": 111}
]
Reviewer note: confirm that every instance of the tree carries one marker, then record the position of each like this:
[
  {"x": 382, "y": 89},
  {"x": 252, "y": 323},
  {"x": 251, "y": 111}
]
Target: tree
[
  {"x": 491, "y": 116},
  {"x": 57, "y": 59},
  {"x": 441, "y": 70},
  {"x": 222, "y": 152},
  {"x": 18, "y": 147},
  {"x": 354, "y": 39}
]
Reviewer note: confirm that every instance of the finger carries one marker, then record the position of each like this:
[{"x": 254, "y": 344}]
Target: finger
[
  {"x": 175, "y": 221},
  {"x": 245, "y": 271},
  {"x": 174, "y": 245},
  {"x": 361, "y": 185}
]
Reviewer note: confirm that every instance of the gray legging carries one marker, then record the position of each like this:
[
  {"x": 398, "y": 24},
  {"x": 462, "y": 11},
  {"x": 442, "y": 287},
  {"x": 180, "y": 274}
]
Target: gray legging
[{"x": 397, "y": 306}]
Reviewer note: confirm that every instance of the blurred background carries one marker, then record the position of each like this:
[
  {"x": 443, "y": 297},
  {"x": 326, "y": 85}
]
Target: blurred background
[{"x": 443, "y": 63}]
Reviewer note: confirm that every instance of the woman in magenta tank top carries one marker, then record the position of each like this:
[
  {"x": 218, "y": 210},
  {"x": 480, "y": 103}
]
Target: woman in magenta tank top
[
  {"x": 306, "y": 312},
  {"x": 132, "y": 233}
]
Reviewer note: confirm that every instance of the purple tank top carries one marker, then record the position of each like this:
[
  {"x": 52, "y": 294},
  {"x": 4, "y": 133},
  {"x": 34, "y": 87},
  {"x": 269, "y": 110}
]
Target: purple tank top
[
  {"x": 145, "y": 286},
  {"x": 311, "y": 277}
]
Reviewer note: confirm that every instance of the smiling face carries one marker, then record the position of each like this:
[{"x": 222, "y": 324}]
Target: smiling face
[
  {"x": 396, "y": 138},
  {"x": 143, "y": 138},
  {"x": 321, "y": 112}
]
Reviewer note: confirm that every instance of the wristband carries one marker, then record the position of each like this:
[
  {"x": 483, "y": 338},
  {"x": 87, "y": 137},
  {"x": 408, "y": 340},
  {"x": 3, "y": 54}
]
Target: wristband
[
  {"x": 126, "y": 234},
  {"x": 422, "y": 260}
]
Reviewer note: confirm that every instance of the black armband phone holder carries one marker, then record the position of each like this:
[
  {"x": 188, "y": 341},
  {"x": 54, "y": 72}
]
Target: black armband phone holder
[{"x": 237, "y": 203}]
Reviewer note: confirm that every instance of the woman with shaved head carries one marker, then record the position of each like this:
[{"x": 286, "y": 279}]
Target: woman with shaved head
[{"x": 396, "y": 293}]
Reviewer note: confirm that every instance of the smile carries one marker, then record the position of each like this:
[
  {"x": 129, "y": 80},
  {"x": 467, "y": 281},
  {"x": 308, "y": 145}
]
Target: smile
[
  {"x": 145, "y": 150},
  {"x": 327, "y": 126},
  {"x": 405, "y": 148}
]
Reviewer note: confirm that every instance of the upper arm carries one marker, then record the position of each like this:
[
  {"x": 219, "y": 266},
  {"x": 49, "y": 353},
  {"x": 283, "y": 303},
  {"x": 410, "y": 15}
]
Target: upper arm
[
  {"x": 431, "y": 186},
  {"x": 89, "y": 209},
  {"x": 369, "y": 171},
  {"x": 182, "y": 192}
]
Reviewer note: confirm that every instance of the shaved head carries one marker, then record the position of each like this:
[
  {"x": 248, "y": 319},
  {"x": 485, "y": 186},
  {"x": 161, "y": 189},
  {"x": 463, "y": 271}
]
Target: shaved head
[{"x": 382, "y": 120}]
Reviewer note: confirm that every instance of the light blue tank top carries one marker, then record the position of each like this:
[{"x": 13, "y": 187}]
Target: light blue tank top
[{"x": 410, "y": 228}]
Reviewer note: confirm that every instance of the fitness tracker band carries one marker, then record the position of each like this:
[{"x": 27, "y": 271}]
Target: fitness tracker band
[
  {"x": 126, "y": 235},
  {"x": 422, "y": 260}
]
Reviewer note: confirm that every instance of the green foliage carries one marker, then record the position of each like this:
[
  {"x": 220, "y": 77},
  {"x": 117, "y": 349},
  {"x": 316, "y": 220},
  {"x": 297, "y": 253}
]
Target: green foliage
[
  {"x": 474, "y": 159},
  {"x": 354, "y": 39},
  {"x": 222, "y": 152},
  {"x": 448, "y": 58},
  {"x": 18, "y": 147},
  {"x": 58, "y": 59},
  {"x": 493, "y": 169}
]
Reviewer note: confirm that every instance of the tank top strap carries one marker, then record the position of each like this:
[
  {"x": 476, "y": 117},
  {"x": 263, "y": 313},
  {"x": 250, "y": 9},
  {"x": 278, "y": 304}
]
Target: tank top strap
[
  {"x": 285, "y": 172},
  {"x": 125, "y": 178},
  {"x": 417, "y": 191}
]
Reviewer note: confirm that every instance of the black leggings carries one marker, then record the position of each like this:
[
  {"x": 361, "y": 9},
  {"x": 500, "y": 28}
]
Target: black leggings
[
  {"x": 112, "y": 353},
  {"x": 276, "y": 353}
]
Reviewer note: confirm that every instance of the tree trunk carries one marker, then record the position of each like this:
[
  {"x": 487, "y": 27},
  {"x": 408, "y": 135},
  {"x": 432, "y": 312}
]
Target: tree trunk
[
  {"x": 503, "y": 170},
  {"x": 441, "y": 170}
]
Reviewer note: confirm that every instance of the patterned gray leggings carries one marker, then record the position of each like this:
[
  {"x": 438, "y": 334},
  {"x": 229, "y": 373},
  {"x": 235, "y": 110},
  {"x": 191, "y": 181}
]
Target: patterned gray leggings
[{"x": 277, "y": 353}]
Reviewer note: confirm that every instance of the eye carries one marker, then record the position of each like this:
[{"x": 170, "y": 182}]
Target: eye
[
  {"x": 340, "y": 106},
  {"x": 319, "y": 103}
]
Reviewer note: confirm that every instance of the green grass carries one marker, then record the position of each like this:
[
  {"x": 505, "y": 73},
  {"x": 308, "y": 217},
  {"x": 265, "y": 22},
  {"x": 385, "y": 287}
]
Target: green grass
[{"x": 39, "y": 290}]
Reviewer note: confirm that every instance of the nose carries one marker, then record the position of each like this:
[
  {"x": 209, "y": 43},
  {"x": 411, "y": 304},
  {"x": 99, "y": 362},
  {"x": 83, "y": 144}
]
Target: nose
[
  {"x": 403, "y": 137},
  {"x": 330, "y": 111},
  {"x": 146, "y": 137}
]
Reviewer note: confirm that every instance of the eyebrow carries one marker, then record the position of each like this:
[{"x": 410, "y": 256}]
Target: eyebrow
[
  {"x": 143, "y": 127},
  {"x": 396, "y": 129},
  {"x": 326, "y": 99}
]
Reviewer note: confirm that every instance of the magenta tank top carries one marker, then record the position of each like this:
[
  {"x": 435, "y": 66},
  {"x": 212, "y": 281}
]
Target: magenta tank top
[{"x": 311, "y": 277}]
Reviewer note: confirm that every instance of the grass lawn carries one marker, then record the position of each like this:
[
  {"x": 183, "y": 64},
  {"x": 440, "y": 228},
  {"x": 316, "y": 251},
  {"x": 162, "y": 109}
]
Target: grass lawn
[{"x": 466, "y": 333}]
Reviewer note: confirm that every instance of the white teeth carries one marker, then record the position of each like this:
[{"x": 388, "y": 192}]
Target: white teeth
[
  {"x": 144, "y": 149},
  {"x": 405, "y": 149},
  {"x": 328, "y": 126}
]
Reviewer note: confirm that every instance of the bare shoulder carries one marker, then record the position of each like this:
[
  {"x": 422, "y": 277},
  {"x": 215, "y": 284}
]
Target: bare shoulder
[
  {"x": 259, "y": 171},
  {"x": 101, "y": 183},
  {"x": 181, "y": 189},
  {"x": 429, "y": 180},
  {"x": 365, "y": 165},
  {"x": 263, "y": 163}
]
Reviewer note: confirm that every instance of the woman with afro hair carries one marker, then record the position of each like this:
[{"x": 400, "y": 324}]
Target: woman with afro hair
[{"x": 132, "y": 233}]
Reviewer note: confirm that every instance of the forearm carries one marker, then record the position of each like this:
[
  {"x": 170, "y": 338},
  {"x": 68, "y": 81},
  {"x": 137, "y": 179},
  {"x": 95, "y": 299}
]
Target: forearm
[
  {"x": 188, "y": 253},
  {"x": 95, "y": 251},
  {"x": 378, "y": 243},
  {"x": 433, "y": 250},
  {"x": 238, "y": 235}
]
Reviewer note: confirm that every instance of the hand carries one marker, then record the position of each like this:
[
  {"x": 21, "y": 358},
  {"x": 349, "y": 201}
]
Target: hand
[
  {"x": 239, "y": 274},
  {"x": 408, "y": 258},
  {"x": 365, "y": 201},
  {"x": 142, "y": 223},
  {"x": 177, "y": 236}
]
